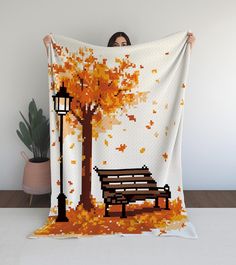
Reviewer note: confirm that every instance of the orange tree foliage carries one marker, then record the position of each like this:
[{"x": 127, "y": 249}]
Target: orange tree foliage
[{"x": 97, "y": 88}]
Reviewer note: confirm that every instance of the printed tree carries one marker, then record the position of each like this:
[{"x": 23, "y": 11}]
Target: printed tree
[{"x": 99, "y": 93}]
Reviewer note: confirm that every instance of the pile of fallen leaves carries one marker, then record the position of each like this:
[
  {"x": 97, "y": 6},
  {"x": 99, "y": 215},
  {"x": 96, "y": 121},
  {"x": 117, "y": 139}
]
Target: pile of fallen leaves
[{"x": 140, "y": 218}]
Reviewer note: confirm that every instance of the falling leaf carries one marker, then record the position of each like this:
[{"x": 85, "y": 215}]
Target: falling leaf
[
  {"x": 158, "y": 80},
  {"x": 131, "y": 117},
  {"x": 142, "y": 150},
  {"x": 109, "y": 135},
  {"x": 70, "y": 182},
  {"x": 154, "y": 111},
  {"x": 121, "y": 148},
  {"x": 154, "y": 71},
  {"x": 106, "y": 142},
  {"x": 166, "y": 106},
  {"x": 104, "y": 162},
  {"x": 72, "y": 190},
  {"x": 58, "y": 182},
  {"x": 183, "y": 85},
  {"x": 167, "y": 53},
  {"x": 73, "y": 161},
  {"x": 156, "y": 134},
  {"x": 149, "y": 126},
  {"x": 83, "y": 157},
  {"x": 141, "y": 66},
  {"x": 182, "y": 102},
  {"x": 154, "y": 102},
  {"x": 72, "y": 145},
  {"x": 165, "y": 156},
  {"x": 179, "y": 188},
  {"x": 54, "y": 143}
]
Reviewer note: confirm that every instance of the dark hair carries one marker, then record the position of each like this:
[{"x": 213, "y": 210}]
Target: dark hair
[{"x": 115, "y": 36}]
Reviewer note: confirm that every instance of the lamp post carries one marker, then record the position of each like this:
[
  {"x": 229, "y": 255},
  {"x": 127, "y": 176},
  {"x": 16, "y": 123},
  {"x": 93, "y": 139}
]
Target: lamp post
[{"x": 62, "y": 102}]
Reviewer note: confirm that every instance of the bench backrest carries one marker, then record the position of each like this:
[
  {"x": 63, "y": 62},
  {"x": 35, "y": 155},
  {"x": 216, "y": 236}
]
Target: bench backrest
[{"x": 118, "y": 180}]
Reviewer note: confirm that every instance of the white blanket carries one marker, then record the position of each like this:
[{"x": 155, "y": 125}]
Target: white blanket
[{"x": 125, "y": 121}]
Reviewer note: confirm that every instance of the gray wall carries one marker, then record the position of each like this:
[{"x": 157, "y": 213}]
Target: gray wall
[{"x": 209, "y": 139}]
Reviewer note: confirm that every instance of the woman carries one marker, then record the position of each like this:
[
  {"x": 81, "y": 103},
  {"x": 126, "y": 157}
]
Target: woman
[{"x": 120, "y": 39}]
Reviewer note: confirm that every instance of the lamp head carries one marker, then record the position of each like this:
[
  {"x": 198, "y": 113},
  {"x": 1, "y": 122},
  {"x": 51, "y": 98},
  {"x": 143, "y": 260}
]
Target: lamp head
[{"x": 62, "y": 101}]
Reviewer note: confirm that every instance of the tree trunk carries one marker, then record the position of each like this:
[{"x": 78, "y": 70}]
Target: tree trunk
[{"x": 85, "y": 197}]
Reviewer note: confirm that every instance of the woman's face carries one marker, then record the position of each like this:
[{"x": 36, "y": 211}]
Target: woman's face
[{"x": 120, "y": 41}]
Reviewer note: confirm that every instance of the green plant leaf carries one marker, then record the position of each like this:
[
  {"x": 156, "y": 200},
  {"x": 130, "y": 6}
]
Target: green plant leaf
[
  {"x": 35, "y": 133},
  {"x": 23, "y": 140},
  {"x": 32, "y": 111},
  {"x": 26, "y": 122}
]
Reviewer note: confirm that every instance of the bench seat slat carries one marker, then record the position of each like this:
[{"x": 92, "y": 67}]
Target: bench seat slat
[
  {"x": 129, "y": 179},
  {"x": 143, "y": 192},
  {"x": 123, "y": 172},
  {"x": 130, "y": 186}
]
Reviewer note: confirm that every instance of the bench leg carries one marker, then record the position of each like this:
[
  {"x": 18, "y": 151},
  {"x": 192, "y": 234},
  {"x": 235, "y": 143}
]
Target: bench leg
[
  {"x": 156, "y": 203},
  {"x": 123, "y": 215},
  {"x": 106, "y": 210},
  {"x": 167, "y": 204}
]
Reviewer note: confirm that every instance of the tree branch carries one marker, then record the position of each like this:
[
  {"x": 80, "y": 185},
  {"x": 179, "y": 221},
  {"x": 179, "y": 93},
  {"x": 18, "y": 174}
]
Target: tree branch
[{"x": 77, "y": 117}]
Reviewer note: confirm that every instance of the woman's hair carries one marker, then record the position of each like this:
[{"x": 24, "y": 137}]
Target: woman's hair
[{"x": 115, "y": 36}]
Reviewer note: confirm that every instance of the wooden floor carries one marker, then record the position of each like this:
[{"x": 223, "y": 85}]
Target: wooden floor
[{"x": 193, "y": 199}]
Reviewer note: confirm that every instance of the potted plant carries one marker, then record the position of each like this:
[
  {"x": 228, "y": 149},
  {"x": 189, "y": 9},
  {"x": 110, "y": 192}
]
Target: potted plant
[{"x": 34, "y": 133}]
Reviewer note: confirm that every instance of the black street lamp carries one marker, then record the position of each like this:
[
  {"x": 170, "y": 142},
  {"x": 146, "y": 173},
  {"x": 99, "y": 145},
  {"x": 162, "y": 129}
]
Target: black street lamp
[{"x": 62, "y": 102}]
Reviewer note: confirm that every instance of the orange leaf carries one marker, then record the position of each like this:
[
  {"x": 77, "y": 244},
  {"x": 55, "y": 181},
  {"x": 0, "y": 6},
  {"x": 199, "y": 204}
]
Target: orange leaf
[
  {"x": 72, "y": 145},
  {"x": 121, "y": 148},
  {"x": 142, "y": 150},
  {"x": 131, "y": 117},
  {"x": 165, "y": 156}
]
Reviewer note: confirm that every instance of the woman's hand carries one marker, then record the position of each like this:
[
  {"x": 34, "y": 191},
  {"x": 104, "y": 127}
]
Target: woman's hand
[
  {"x": 191, "y": 39},
  {"x": 47, "y": 40}
]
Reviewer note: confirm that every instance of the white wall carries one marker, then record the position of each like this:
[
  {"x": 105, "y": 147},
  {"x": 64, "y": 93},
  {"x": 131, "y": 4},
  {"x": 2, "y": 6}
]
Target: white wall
[{"x": 209, "y": 139}]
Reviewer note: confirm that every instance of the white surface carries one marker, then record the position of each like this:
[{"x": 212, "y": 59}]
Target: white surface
[
  {"x": 209, "y": 142},
  {"x": 215, "y": 246}
]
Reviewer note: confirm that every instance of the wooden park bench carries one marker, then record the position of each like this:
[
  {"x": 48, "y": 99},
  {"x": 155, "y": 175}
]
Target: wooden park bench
[{"x": 122, "y": 186}]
